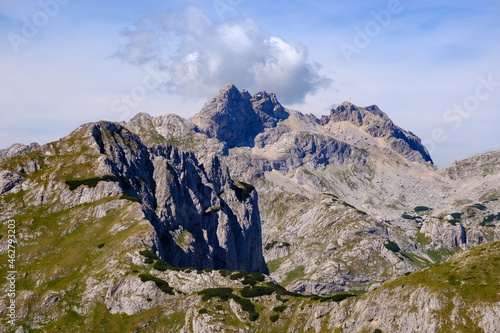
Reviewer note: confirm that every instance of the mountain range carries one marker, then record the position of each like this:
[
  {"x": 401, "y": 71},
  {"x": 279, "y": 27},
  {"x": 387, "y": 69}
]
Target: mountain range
[{"x": 250, "y": 217}]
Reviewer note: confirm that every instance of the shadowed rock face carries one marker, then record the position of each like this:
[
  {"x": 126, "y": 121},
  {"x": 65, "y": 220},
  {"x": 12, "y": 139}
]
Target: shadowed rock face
[
  {"x": 195, "y": 208},
  {"x": 379, "y": 125},
  {"x": 236, "y": 117},
  {"x": 202, "y": 220}
]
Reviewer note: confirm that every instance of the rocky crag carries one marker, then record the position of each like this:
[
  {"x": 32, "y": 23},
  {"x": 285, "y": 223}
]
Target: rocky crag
[
  {"x": 18, "y": 149},
  {"x": 85, "y": 203}
]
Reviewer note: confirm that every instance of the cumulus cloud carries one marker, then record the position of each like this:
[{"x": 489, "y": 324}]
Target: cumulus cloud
[{"x": 196, "y": 57}]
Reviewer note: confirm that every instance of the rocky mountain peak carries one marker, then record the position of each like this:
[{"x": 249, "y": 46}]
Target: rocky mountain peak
[
  {"x": 359, "y": 116},
  {"x": 236, "y": 117},
  {"x": 268, "y": 108},
  {"x": 229, "y": 89},
  {"x": 18, "y": 149},
  {"x": 229, "y": 117},
  {"x": 377, "y": 124}
]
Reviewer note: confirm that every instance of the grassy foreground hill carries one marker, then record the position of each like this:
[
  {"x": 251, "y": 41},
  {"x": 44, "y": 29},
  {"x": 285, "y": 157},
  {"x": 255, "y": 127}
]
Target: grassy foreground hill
[{"x": 73, "y": 283}]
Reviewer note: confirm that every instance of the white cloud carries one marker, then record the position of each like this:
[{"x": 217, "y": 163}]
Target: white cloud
[{"x": 198, "y": 57}]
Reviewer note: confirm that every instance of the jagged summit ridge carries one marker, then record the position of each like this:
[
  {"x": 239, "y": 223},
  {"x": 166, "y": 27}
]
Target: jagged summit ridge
[
  {"x": 378, "y": 124},
  {"x": 237, "y": 117},
  {"x": 18, "y": 149}
]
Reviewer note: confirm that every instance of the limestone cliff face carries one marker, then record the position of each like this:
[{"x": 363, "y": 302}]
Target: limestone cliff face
[{"x": 202, "y": 220}]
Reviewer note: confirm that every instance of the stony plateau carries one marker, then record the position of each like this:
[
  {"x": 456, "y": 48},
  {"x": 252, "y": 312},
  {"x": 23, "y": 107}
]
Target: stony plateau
[{"x": 165, "y": 224}]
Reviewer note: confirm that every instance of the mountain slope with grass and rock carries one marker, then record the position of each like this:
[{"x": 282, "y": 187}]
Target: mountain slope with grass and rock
[{"x": 250, "y": 217}]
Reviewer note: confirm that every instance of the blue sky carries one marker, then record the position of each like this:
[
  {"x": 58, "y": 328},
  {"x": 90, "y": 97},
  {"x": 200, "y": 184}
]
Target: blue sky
[{"x": 432, "y": 66}]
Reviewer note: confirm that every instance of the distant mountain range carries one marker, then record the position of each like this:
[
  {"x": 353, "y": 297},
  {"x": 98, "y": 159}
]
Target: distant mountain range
[{"x": 250, "y": 217}]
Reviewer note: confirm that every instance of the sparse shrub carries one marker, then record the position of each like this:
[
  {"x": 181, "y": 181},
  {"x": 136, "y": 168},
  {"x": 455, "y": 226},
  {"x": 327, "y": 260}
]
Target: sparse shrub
[
  {"x": 90, "y": 182},
  {"x": 348, "y": 205},
  {"x": 421, "y": 209},
  {"x": 257, "y": 291},
  {"x": 245, "y": 304},
  {"x": 214, "y": 209},
  {"x": 270, "y": 245},
  {"x": 149, "y": 299},
  {"x": 453, "y": 280},
  {"x": 227, "y": 293},
  {"x": 100, "y": 245},
  {"x": 162, "y": 284},
  {"x": 274, "y": 317},
  {"x": 337, "y": 298},
  {"x": 243, "y": 190},
  {"x": 224, "y": 272},
  {"x": 238, "y": 275},
  {"x": 126, "y": 182},
  {"x": 479, "y": 206},
  {"x": 407, "y": 273},
  {"x": 377, "y": 331},
  {"x": 149, "y": 261},
  {"x": 208, "y": 270},
  {"x": 258, "y": 276},
  {"x": 1, "y": 236},
  {"x": 253, "y": 316},
  {"x": 161, "y": 265},
  {"x": 404, "y": 254},
  {"x": 202, "y": 311},
  {"x": 130, "y": 198},
  {"x": 149, "y": 254},
  {"x": 361, "y": 212},
  {"x": 284, "y": 244},
  {"x": 280, "y": 290},
  {"x": 489, "y": 219},
  {"x": 281, "y": 299},
  {"x": 392, "y": 246},
  {"x": 222, "y": 293},
  {"x": 249, "y": 280},
  {"x": 279, "y": 308}
]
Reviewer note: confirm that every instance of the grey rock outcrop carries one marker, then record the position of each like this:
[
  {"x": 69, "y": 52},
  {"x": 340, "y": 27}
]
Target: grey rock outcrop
[
  {"x": 321, "y": 236},
  {"x": 477, "y": 166},
  {"x": 200, "y": 220},
  {"x": 8, "y": 180},
  {"x": 235, "y": 117},
  {"x": 18, "y": 149},
  {"x": 379, "y": 125},
  {"x": 203, "y": 222}
]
